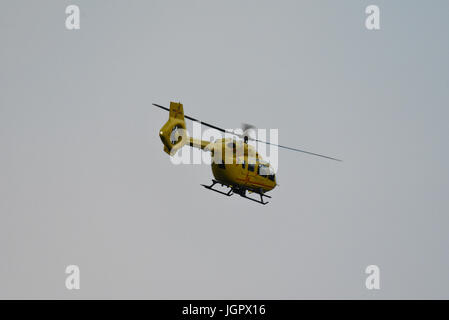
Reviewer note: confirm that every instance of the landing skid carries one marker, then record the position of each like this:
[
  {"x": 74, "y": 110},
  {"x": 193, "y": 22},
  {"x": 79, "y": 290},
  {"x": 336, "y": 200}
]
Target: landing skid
[
  {"x": 238, "y": 190},
  {"x": 229, "y": 193}
]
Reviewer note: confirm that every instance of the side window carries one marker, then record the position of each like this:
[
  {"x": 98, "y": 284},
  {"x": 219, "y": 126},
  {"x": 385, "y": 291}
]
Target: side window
[
  {"x": 271, "y": 177},
  {"x": 221, "y": 165},
  {"x": 233, "y": 146},
  {"x": 243, "y": 164},
  {"x": 251, "y": 167}
]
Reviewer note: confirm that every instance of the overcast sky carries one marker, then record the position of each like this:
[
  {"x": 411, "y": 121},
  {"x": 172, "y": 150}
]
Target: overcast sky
[{"x": 84, "y": 179}]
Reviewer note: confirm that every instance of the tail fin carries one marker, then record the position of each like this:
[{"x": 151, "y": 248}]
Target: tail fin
[{"x": 173, "y": 134}]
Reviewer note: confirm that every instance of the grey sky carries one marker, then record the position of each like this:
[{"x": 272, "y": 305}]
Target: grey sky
[{"x": 84, "y": 179}]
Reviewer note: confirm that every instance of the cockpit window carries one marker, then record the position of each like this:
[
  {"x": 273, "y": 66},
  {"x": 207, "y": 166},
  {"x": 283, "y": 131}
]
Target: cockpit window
[
  {"x": 251, "y": 167},
  {"x": 263, "y": 170}
]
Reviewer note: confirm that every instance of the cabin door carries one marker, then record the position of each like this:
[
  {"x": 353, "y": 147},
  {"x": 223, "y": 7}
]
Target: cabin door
[
  {"x": 251, "y": 172},
  {"x": 243, "y": 172}
]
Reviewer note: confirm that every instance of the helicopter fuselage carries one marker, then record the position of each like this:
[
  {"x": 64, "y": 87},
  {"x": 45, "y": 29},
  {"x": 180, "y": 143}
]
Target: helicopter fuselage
[{"x": 246, "y": 171}]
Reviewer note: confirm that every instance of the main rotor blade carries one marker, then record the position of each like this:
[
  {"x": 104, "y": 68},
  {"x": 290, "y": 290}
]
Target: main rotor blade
[
  {"x": 241, "y": 136},
  {"x": 298, "y": 150}
]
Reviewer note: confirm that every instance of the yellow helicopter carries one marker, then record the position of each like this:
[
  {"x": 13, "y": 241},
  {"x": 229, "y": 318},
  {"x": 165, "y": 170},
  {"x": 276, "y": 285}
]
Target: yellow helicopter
[{"x": 236, "y": 164}]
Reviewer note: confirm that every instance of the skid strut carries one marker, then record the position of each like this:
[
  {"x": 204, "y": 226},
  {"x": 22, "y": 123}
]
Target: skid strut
[
  {"x": 214, "y": 182},
  {"x": 238, "y": 190}
]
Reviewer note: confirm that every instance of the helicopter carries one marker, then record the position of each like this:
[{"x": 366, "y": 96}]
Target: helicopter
[{"x": 236, "y": 164}]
